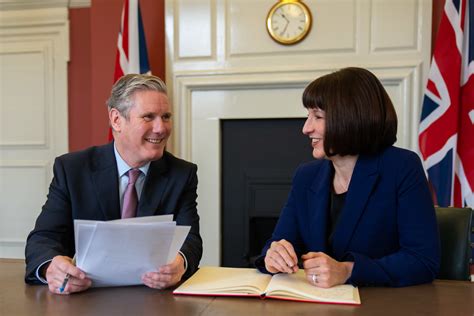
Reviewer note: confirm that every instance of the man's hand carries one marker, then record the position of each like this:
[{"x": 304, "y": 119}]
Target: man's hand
[
  {"x": 281, "y": 257},
  {"x": 57, "y": 270},
  {"x": 323, "y": 271},
  {"x": 168, "y": 275}
]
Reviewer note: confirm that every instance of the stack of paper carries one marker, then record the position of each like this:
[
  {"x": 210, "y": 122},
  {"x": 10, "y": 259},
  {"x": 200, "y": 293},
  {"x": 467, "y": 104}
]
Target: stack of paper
[{"x": 116, "y": 253}]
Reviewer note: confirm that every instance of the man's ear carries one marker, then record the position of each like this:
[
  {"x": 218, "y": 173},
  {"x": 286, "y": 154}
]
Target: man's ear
[{"x": 116, "y": 120}]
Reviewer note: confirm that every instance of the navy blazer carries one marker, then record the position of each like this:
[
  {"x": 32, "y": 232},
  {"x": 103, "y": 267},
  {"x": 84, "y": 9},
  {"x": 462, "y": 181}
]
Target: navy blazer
[
  {"x": 387, "y": 226},
  {"x": 85, "y": 186}
]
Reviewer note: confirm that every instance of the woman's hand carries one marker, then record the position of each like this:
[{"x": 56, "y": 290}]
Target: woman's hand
[
  {"x": 323, "y": 271},
  {"x": 281, "y": 257}
]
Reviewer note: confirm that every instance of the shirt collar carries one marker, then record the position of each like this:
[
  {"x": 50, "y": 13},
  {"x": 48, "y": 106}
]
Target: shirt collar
[{"x": 123, "y": 167}]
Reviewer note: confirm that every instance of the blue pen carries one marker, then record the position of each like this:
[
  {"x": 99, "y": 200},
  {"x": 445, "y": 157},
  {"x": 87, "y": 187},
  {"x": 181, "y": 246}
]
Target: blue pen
[{"x": 66, "y": 279}]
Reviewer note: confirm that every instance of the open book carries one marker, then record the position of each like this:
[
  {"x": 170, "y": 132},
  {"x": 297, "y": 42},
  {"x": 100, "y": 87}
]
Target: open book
[{"x": 217, "y": 281}]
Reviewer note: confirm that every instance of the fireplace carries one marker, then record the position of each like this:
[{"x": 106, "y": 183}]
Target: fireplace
[
  {"x": 207, "y": 102},
  {"x": 258, "y": 159}
]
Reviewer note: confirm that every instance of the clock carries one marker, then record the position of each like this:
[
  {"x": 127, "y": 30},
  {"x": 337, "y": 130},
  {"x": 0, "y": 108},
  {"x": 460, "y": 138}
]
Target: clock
[{"x": 289, "y": 21}]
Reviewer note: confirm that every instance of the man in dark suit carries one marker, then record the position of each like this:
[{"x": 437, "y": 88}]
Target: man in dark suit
[{"x": 93, "y": 184}]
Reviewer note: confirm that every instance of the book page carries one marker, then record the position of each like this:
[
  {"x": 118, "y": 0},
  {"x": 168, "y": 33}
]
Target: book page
[
  {"x": 225, "y": 281},
  {"x": 295, "y": 286}
]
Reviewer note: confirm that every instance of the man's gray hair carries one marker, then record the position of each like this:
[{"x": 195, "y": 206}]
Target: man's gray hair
[{"x": 123, "y": 90}]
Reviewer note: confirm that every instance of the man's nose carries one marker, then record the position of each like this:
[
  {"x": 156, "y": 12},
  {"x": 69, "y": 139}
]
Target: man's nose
[{"x": 159, "y": 126}]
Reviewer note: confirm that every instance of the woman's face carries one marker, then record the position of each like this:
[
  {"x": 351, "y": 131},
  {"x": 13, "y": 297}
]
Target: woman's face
[{"x": 314, "y": 127}]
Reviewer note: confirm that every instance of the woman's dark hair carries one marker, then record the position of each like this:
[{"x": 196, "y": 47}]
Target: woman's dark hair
[{"x": 360, "y": 117}]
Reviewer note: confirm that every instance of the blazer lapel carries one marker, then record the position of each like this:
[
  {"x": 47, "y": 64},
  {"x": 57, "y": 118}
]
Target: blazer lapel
[
  {"x": 153, "y": 188},
  {"x": 363, "y": 180},
  {"x": 105, "y": 181},
  {"x": 318, "y": 196}
]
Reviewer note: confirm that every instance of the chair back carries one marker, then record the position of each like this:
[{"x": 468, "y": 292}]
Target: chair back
[{"x": 455, "y": 236}]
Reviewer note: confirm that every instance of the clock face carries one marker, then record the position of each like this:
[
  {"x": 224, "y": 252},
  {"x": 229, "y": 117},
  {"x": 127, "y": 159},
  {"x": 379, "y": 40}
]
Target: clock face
[{"x": 288, "y": 22}]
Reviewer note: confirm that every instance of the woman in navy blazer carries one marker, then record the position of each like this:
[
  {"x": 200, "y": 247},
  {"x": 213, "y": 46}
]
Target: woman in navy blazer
[{"x": 361, "y": 213}]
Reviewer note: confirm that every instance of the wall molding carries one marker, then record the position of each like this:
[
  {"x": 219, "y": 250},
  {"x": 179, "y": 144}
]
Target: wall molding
[
  {"x": 43, "y": 4},
  {"x": 77, "y": 4},
  {"x": 186, "y": 83},
  {"x": 12, "y": 20}
]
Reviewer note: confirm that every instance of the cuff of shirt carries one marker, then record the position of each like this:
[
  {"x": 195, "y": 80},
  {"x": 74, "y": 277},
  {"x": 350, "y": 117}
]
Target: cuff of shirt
[
  {"x": 185, "y": 260},
  {"x": 38, "y": 275}
]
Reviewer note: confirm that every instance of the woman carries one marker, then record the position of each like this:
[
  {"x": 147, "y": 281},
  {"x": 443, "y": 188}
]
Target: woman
[{"x": 362, "y": 212}]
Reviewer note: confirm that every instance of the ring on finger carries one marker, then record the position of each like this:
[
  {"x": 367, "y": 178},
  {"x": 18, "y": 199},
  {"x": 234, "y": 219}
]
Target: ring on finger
[{"x": 314, "y": 279}]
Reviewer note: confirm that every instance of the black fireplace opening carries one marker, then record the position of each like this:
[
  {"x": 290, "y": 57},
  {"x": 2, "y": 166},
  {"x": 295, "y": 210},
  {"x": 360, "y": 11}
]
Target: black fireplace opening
[{"x": 258, "y": 159}]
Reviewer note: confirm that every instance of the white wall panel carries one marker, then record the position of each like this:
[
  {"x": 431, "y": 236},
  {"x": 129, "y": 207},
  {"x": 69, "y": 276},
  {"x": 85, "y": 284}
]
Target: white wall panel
[
  {"x": 195, "y": 28},
  {"x": 394, "y": 25},
  {"x": 23, "y": 96},
  {"x": 247, "y": 33},
  {"x": 23, "y": 188}
]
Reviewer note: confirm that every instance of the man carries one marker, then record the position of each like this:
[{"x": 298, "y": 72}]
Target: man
[{"x": 93, "y": 184}]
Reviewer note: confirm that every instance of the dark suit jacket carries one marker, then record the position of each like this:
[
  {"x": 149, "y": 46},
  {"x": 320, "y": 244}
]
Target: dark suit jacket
[
  {"x": 85, "y": 186},
  {"x": 387, "y": 226}
]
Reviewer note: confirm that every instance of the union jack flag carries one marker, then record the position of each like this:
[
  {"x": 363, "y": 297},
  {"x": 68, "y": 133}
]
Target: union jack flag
[
  {"x": 446, "y": 134},
  {"x": 132, "y": 55}
]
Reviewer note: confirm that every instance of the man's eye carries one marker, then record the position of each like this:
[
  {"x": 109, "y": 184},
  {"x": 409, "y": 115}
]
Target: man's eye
[
  {"x": 148, "y": 118},
  {"x": 166, "y": 117}
]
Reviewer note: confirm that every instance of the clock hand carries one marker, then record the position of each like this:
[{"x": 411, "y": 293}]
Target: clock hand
[
  {"x": 286, "y": 25},
  {"x": 284, "y": 29}
]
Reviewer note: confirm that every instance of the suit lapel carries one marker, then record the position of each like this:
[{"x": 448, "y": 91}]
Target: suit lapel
[
  {"x": 363, "y": 180},
  {"x": 105, "y": 181},
  {"x": 153, "y": 188},
  {"x": 317, "y": 196}
]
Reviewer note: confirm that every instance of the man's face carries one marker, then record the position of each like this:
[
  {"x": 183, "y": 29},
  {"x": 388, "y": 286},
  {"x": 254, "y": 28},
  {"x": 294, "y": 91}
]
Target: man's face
[{"x": 142, "y": 137}]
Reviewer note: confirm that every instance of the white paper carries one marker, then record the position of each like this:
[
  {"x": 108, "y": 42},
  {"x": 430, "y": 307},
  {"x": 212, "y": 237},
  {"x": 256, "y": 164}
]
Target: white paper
[
  {"x": 180, "y": 235},
  {"x": 145, "y": 219},
  {"x": 119, "y": 252},
  {"x": 83, "y": 240}
]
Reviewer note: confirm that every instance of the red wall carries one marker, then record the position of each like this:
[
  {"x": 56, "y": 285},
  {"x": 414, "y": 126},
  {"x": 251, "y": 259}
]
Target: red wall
[
  {"x": 438, "y": 7},
  {"x": 93, "y": 38},
  {"x": 79, "y": 74}
]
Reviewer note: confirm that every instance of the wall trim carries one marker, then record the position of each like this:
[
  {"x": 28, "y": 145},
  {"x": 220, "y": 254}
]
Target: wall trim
[
  {"x": 187, "y": 82},
  {"x": 32, "y": 4},
  {"x": 77, "y": 4}
]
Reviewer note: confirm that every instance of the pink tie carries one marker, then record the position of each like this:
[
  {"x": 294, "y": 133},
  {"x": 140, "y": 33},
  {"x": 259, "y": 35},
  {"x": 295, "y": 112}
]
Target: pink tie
[{"x": 130, "y": 198}]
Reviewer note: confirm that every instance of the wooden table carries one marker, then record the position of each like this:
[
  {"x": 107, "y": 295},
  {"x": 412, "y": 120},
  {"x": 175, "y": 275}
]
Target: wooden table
[{"x": 17, "y": 298}]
